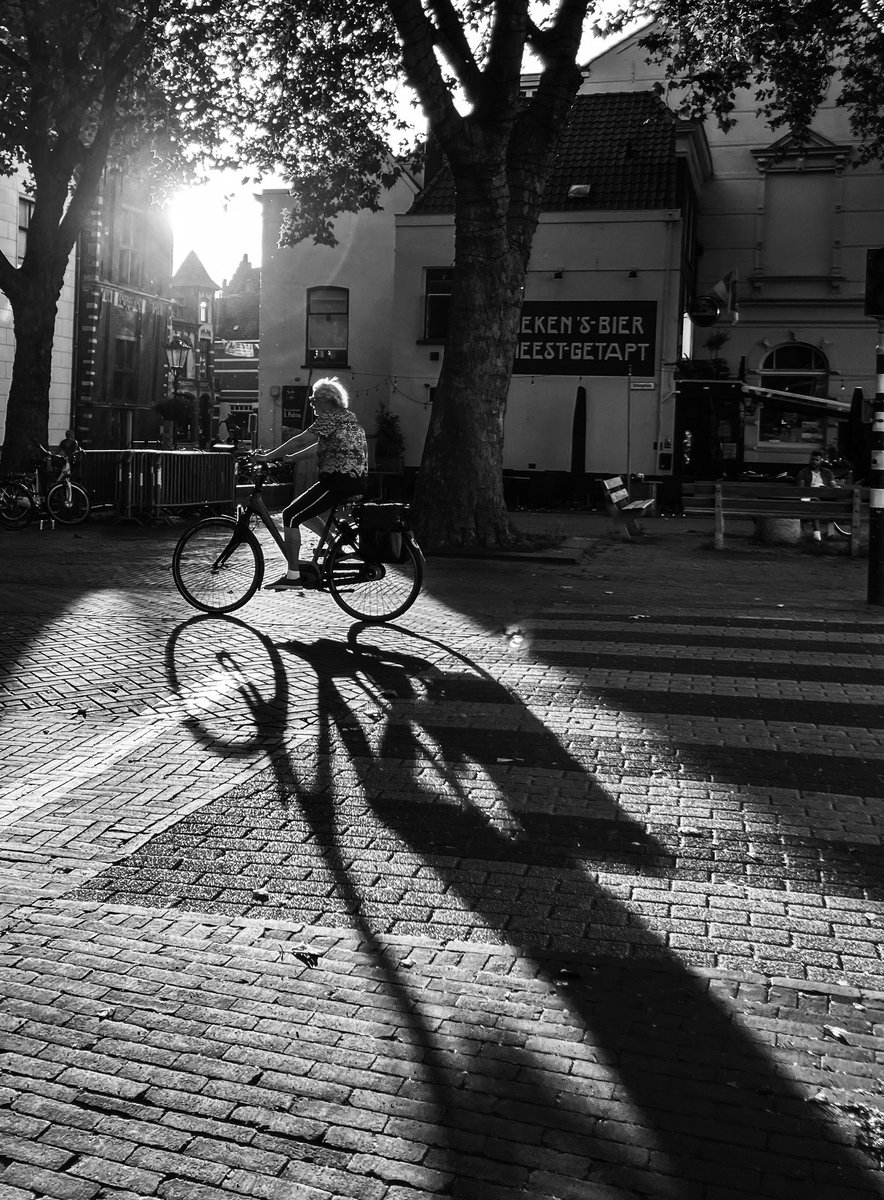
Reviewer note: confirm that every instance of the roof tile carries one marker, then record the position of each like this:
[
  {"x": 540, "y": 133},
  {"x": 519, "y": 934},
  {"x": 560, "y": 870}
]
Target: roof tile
[{"x": 622, "y": 144}]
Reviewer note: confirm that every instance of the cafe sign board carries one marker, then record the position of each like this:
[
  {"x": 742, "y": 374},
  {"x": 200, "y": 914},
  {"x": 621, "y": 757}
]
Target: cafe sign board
[{"x": 587, "y": 337}]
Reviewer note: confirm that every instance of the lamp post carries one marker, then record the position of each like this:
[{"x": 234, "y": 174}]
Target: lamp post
[{"x": 176, "y": 357}]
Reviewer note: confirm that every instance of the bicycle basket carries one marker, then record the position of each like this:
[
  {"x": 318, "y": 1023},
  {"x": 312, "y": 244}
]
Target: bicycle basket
[{"x": 381, "y": 532}]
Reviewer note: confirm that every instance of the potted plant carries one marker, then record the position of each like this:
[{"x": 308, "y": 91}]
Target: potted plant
[{"x": 389, "y": 448}]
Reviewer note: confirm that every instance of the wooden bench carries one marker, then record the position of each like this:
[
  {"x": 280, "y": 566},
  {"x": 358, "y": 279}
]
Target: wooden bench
[
  {"x": 751, "y": 500},
  {"x": 624, "y": 511}
]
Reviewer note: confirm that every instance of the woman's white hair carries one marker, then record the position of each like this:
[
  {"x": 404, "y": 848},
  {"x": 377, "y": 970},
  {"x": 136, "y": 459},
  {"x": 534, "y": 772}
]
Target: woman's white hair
[{"x": 332, "y": 389}]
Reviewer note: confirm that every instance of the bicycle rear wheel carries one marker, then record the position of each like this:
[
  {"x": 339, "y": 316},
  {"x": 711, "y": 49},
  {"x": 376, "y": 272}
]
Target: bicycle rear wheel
[
  {"x": 217, "y": 568},
  {"x": 16, "y": 504},
  {"x": 68, "y": 511},
  {"x": 372, "y": 591}
]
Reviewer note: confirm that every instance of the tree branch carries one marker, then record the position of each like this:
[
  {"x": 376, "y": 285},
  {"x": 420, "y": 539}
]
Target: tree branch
[
  {"x": 452, "y": 41},
  {"x": 503, "y": 71},
  {"x": 18, "y": 60},
  {"x": 422, "y": 71},
  {"x": 560, "y": 40}
]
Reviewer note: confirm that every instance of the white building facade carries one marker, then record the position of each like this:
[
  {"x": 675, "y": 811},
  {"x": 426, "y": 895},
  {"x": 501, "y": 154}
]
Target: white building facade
[
  {"x": 327, "y": 311},
  {"x": 791, "y": 226},
  {"x": 603, "y": 296},
  {"x": 648, "y": 218}
]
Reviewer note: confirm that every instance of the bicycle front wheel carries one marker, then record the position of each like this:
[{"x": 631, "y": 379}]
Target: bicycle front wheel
[
  {"x": 68, "y": 510},
  {"x": 217, "y": 568},
  {"x": 16, "y": 504},
  {"x": 372, "y": 591}
]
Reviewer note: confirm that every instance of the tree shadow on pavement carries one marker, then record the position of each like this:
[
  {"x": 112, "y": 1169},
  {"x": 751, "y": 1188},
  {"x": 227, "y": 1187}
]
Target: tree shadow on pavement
[
  {"x": 667, "y": 1095},
  {"x": 708, "y": 1093}
]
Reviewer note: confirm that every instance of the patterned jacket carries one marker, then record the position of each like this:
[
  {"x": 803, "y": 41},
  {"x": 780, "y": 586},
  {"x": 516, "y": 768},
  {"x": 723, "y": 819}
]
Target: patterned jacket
[{"x": 342, "y": 446}]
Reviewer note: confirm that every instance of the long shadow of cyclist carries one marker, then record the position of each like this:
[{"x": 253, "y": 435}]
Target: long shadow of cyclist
[
  {"x": 656, "y": 1040},
  {"x": 707, "y": 1091}
]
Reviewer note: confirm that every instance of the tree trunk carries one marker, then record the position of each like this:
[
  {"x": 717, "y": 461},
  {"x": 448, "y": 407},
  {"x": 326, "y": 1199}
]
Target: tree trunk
[
  {"x": 459, "y": 497},
  {"x": 27, "y": 411}
]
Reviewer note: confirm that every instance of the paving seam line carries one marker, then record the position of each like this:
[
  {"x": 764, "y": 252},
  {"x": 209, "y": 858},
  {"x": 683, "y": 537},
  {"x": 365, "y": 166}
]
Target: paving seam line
[{"x": 282, "y": 932}]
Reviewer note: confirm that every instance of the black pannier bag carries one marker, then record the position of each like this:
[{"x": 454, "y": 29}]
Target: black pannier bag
[{"x": 381, "y": 532}]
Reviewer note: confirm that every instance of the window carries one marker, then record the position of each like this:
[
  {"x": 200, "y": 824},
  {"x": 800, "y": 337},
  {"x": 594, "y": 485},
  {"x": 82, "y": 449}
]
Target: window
[
  {"x": 130, "y": 248},
  {"x": 796, "y": 368},
  {"x": 25, "y": 212},
  {"x": 328, "y": 323},
  {"x": 204, "y": 312},
  {"x": 124, "y": 370},
  {"x": 437, "y": 303},
  {"x": 798, "y": 211},
  {"x": 803, "y": 221}
]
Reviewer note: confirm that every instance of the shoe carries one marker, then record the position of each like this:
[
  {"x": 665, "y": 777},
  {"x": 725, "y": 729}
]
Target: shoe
[{"x": 282, "y": 584}]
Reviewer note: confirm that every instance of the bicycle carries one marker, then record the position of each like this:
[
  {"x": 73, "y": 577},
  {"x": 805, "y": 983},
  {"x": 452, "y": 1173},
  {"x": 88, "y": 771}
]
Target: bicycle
[
  {"x": 366, "y": 557},
  {"x": 25, "y": 496}
]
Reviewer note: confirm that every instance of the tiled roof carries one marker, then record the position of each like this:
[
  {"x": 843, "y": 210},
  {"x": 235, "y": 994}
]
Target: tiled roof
[
  {"x": 622, "y": 144},
  {"x": 236, "y": 317},
  {"x": 192, "y": 273}
]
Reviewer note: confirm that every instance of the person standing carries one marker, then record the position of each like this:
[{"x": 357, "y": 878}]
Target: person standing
[{"x": 69, "y": 447}]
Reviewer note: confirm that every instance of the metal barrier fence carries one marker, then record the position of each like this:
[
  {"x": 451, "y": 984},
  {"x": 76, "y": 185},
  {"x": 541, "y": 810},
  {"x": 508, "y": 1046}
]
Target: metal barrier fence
[
  {"x": 151, "y": 483},
  {"x": 96, "y": 472},
  {"x": 186, "y": 478}
]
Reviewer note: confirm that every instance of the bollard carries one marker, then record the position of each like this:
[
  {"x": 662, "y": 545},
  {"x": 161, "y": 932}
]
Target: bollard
[{"x": 876, "y": 482}]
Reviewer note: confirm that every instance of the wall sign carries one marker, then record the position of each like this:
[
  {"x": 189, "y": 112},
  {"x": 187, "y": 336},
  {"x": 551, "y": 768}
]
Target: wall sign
[
  {"x": 587, "y": 337},
  {"x": 294, "y": 405}
]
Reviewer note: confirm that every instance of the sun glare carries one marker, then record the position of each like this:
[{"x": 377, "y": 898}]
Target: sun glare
[{"x": 219, "y": 221}]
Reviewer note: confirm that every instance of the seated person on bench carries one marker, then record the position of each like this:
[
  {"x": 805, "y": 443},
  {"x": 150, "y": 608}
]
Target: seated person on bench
[
  {"x": 338, "y": 441},
  {"x": 811, "y": 476}
]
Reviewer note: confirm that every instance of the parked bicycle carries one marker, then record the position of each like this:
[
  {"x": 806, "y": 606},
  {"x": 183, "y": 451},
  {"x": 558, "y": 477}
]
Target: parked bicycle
[
  {"x": 366, "y": 557},
  {"x": 31, "y": 495}
]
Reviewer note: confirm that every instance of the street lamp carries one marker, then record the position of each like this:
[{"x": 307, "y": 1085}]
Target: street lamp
[{"x": 176, "y": 356}]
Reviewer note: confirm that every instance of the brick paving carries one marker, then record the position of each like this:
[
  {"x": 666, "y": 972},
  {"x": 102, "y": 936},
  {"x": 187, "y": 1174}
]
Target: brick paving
[{"x": 570, "y": 886}]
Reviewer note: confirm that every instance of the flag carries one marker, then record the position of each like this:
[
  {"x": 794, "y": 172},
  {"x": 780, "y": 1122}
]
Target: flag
[{"x": 724, "y": 293}]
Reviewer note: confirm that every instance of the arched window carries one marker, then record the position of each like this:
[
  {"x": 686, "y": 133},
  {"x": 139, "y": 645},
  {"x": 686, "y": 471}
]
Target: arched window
[
  {"x": 804, "y": 370},
  {"x": 796, "y": 367}
]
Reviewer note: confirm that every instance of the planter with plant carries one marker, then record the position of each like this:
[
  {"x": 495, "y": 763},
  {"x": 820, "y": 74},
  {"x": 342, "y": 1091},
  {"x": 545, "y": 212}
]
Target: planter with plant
[{"x": 389, "y": 449}]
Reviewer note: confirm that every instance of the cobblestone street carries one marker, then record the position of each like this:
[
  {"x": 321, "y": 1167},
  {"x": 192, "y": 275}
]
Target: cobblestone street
[{"x": 567, "y": 887}]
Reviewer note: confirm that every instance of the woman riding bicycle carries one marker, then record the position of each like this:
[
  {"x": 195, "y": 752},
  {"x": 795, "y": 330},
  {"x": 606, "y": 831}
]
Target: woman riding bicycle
[{"x": 338, "y": 441}]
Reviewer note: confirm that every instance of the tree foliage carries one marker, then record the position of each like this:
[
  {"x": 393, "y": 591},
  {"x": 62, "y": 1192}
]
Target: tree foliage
[
  {"x": 89, "y": 83},
  {"x": 311, "y": 93},
  {"x": 785, "y": 52},
  {"x": 84, "y": 84}
]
